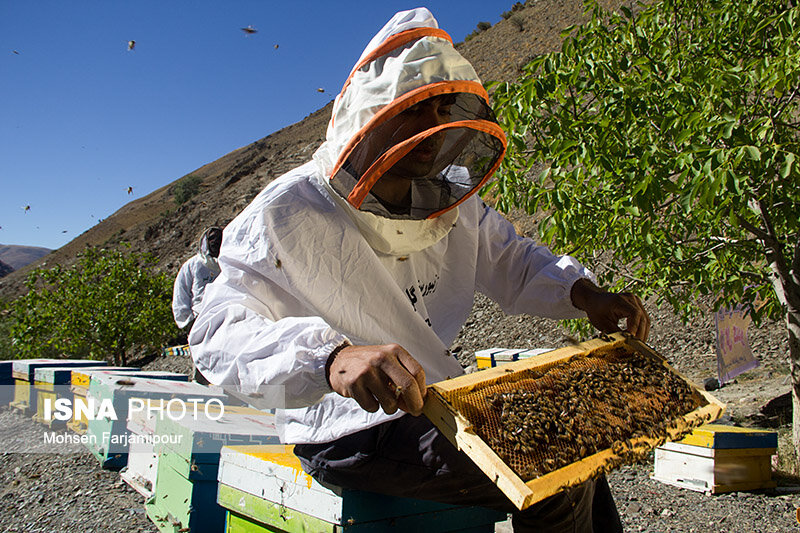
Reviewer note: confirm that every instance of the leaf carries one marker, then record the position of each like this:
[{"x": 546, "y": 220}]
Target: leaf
[
  {"x": 786, "y": 167},
  {"x": 753, "y": 153}
]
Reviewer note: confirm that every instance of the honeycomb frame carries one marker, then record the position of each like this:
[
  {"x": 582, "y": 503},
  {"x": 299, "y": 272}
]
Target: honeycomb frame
[{"x": 457, "y": 420}]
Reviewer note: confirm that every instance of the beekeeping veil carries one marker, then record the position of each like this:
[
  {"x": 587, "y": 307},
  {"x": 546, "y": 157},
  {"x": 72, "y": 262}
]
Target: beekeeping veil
[
  {"x": 411, "y": 135},
  {"x": 210, "y": 242}
]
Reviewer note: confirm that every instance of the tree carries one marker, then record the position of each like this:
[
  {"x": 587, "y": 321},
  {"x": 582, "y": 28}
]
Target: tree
[
  {"x": 669, "y": 137},
  {"x": 105, "y": 304}
]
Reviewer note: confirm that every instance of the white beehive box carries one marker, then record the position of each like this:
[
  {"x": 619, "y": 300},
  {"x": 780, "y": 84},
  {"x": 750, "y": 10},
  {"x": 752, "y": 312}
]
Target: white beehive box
[{"x": 716, "y": 459}]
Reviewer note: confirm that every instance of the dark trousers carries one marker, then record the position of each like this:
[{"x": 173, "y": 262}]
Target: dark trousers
[{"x": 408, "y": 457}]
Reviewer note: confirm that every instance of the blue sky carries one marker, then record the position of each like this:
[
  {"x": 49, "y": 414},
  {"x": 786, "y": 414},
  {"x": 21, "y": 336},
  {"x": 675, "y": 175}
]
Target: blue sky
[{"x": 82, "y": 118}]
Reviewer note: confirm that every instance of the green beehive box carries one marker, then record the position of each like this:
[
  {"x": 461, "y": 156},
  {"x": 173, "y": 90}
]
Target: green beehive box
[
  {"x": 108, "y": 437},
  {"x": 79, "y": 386},
  {"x": 188, "y": 459},
  {"x": 142, "y": 468},
  {"x": 264, "y": 488}
]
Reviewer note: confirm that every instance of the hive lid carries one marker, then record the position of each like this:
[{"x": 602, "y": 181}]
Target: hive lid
[
  {"x": 25, "y": 368},
  {"x": 724, "y": 437}
]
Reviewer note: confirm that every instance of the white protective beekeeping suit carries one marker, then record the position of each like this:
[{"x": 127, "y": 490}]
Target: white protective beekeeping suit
[
  {"x": 318, "y": 258},
  {"x": 190, "y": 283}
]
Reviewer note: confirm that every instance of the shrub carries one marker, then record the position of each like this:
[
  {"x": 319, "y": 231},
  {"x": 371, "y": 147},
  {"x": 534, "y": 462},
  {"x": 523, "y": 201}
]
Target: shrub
[{"x": 185, "y": 188}]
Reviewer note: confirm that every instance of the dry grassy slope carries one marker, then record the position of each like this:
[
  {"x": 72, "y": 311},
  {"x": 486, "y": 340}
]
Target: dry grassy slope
[{"x": 154, "y": 224}]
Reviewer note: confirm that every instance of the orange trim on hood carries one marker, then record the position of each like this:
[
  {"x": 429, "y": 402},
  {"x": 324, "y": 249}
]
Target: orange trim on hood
[
  {"x": 395, "y": 154},
  {"x": 404, "y": 102},
  {"x": 396, "y": 41}
]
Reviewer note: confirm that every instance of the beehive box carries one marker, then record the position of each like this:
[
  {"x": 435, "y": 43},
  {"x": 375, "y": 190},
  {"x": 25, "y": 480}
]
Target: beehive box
[
  {"x": 188, "y": 450},
  {"x": 81, "y": 379},
  {"x": 142, "y": 468},
  {"x": 108, "y": 437},
  {"x": 716, "y": 459},
  {"x": 263, "y": 488},
  {"x": 492, "y": 357},
  {"x": 23, "y": 372},
  {"x": 553, "y": 421},
  {"x": 6, "y": 383},
  {"x": 175, "y": 351},
  {"x": 52, "y": 383}
]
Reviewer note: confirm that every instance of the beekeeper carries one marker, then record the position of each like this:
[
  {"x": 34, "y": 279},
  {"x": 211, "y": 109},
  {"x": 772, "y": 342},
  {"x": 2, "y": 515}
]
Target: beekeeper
[
  {"x": 193, "y": 276},
  {"x": 347, "y": 279}
]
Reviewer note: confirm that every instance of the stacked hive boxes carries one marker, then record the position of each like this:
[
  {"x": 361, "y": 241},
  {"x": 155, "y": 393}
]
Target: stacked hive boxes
[
  {"x": 716, "y": 459},
  {"x": 79, "y": 387},
  {"x": 6, "y": 382},
  {"x": 492, "y": 357},
  {"x": 263, "y": 488},
  {"x": 52, "y": 383},
  {"x": 188, "y": 449},
  {"x": 23, "y": 372},
  {"x": 108, "y": 435},
  {"x": 142, "y": 468},
  {"x": 176, "y": 351}
]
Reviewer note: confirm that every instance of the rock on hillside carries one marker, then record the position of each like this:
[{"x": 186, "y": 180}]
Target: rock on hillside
[{"x": 155, "y": 224}]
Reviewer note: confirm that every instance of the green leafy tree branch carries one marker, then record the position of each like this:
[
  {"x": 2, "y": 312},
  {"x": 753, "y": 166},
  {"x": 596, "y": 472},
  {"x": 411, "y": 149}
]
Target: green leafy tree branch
[{"x": 669, "y": 135}]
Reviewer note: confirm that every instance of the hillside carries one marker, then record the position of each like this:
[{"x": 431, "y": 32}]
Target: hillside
[
  {"x": 5, "y": 269},
  {"x": 155, "y": 224},
  {"x": 17, "y": 257}
]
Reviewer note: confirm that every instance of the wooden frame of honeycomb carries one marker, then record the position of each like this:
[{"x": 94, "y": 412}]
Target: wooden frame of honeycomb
[{"x": 599, "y": 404}]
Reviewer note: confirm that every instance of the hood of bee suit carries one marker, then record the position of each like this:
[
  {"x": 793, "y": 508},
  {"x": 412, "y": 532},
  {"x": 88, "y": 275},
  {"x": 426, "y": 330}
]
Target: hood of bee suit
[
  {"x": 411, "y": 136},
  {"x": 208, "y": 252}
]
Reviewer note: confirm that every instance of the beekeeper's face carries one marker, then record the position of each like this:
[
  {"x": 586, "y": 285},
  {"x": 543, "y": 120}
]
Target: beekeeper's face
[
  {"x": 214, "y": 240},
  {"x": 416, "y": 119},
  {"x": 421, "y": 162}
]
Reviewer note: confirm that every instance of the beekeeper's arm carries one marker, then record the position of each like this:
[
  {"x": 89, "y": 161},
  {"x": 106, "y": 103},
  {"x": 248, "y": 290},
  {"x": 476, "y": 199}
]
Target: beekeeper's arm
[
  {"x": 182, "y": 297},
  {"x": 235, "y": 342},
  {"x": 523, "y": 277}
]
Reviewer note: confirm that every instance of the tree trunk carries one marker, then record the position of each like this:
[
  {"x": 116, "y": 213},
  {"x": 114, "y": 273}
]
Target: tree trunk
[{"x": 793, "y": 325}]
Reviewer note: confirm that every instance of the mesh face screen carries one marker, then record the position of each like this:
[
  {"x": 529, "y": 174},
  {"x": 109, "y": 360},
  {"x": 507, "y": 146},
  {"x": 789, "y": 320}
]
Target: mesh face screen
[
  {"x": 539, "y": 420},
  {"x": 437, "y": 172}
]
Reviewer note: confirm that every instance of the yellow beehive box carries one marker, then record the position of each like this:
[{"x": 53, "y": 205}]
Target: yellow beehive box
[{"x": 624, "y": 387}]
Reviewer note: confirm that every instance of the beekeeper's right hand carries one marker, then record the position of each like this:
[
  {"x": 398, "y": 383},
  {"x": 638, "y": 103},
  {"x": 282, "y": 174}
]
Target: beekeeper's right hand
[{"x": 384, "y": 376}]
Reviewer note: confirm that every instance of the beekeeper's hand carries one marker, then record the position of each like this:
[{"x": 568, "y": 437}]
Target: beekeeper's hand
[
  {"x": 605, "y": 309},
  {"x": 378, "y": 376}
]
